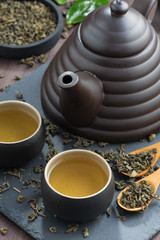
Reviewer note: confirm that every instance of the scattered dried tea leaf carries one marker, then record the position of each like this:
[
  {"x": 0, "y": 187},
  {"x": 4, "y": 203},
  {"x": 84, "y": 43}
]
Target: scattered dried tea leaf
[
  {"x": 2, "y": 75},
  {"x": 32, "y": 216},
  {"x": 17, "y": 190},
  {"x": 19, "y": 96},
  {"x": 85, "y": 232},
  {"x": 4, "y": 186},
  {"x": 48, "y": 140},
  {"x": 4, "y": 230},
  {"x": 30, "y": 61},
  {"x": 81, "y": 141},
  {"x": 53, "y": 229},
  {"x": 151, "y": 137},
  {"x": 29, "y": 183},
  {"x": 51, "y": 153},
  {"x": 97, "y": 151},
  {"x": 111, "y": 156},
  {"x": 17, "y": 78},
  {"x": 53, "y": 129},
  {"x": 34, "y": 205},
  {"x": 66, "y": 141},
  {"x": 72, "y": 228},
  {"x": 108, "y": 211},
  {"x": 121, "y": 148},
  {"x": 20, "y": 198},
  {"x": 14, "y": 172},
  {"x": 103, "y": 144},
  {"x": 39, "y": 169},
  {"x": 120, "y": 185}
]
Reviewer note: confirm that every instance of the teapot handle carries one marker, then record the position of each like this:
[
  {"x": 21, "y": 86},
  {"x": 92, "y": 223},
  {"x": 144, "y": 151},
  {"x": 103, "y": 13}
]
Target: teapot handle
[{"x": 145, "y": 7}]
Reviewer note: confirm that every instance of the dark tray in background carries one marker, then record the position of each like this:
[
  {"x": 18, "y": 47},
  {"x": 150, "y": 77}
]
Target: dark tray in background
[{"x": 137, "y": 225}]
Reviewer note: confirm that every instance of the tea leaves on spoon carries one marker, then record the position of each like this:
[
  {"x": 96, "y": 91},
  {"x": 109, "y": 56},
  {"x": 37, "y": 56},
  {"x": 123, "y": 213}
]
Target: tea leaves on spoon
[
  {"x": 133, "y": 164},
  {"x": 81, "y": 8},
  {"x": 138, "y": 195}
]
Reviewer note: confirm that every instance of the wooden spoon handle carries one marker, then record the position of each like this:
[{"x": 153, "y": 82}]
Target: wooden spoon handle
[
  {"x": 148, "y": 148},
  {"x": 154, "y": 179}
]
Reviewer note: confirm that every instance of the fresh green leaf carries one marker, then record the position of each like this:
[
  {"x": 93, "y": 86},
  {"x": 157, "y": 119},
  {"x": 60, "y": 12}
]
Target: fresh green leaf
[
  {"x": 61, "y": 2},
  {"x": 81, "y": 8}
]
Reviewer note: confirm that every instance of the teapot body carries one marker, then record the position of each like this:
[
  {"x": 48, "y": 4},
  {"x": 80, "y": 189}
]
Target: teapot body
[{"x": 130, "y": 107}]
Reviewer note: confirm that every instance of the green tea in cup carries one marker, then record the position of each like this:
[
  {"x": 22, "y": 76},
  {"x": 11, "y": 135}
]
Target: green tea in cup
[{"x": 77, "y": 177}]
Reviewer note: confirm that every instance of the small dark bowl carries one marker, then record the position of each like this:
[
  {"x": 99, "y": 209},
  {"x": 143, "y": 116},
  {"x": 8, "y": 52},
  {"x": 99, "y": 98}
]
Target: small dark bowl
[
  {"x": 77, "y": 208},
  {"x": 36, "y": 48},
  {"x": 19, "y": 153}
]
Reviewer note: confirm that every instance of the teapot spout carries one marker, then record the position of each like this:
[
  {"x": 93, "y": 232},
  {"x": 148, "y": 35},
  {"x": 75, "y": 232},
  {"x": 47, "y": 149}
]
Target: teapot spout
[{"x": 80, "y": 97}]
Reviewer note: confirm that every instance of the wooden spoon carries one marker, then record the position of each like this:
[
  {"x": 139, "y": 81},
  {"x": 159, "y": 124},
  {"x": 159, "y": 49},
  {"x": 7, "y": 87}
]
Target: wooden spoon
[
  {"x": 153, "y": 179},
  {"x": 147, "y": 149}
]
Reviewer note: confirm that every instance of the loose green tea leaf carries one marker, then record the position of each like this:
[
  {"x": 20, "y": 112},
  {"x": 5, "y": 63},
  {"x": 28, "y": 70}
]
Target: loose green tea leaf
[
  {"x": 61, "y": 2},
  {"x": 85, "y": 232},
  {"x": 81, "y": 141},
  {"x": 53, "y": 229},
  {"x": 72, "y": 228},
  {"x": 17, "y": 190},
  {"x": 39, "y": 169},
  {"x": 108, "y": 211},
  {"x": 30, "y": 61},
  {"x": 2, "y": 75},
  {"x": 120, "y": 185},
  {"x": 24, "y": 22},
  {"x": 29, "y": 183},
  {"x": 19, "y": 96},
  {"x": 81, "y": 8},
  {"x": 17, "y": 78},
  {"x": 4, "y": 230},
  {"x": 32, "y": 216},
  {"x": 4, "y": 186},
  {"x": 20, "y": 198},
  {"x": 14, "y": 172},
  {"x": 34, "y": 205},
  {"x": 111, "y": 156},
  {"x": 103, "y": 144},
  {"x": 151, "y": 137}
]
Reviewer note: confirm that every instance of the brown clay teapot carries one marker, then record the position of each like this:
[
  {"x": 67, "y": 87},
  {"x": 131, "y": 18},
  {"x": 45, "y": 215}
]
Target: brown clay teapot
[{"x": 104, "y": 82}]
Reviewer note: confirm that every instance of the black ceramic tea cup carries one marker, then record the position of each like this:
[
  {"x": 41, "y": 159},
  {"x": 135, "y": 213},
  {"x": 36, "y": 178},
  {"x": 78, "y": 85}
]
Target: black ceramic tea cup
[
  {"x": 77, "y": 185},
  {"x": 22, "y": 133}
]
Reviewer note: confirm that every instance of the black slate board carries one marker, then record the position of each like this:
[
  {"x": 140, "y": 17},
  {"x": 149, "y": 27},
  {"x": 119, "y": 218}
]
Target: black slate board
[{"x": 137, "y": 226}]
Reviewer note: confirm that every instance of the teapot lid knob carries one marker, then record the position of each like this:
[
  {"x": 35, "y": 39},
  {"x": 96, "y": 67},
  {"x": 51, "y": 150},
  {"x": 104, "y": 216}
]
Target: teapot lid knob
[{"x": 119, "y": 7}]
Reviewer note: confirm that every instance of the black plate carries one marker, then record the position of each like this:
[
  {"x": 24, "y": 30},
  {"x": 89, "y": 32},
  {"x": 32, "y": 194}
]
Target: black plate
[{"x": 36, "y": 48}]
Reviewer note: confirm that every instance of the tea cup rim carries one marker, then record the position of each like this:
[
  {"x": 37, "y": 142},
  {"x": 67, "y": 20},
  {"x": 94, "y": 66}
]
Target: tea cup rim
[
  {"x": 17, "y": 102},
  {"x": 46, "y": 173}
]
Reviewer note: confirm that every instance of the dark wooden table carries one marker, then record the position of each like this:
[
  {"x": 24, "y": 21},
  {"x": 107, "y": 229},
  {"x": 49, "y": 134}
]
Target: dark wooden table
[{"x": 11, "y": 68}]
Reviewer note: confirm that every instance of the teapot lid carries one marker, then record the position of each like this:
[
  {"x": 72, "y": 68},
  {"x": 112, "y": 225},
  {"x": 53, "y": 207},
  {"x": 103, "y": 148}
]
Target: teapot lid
[{"x": 115, "y": 30}]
